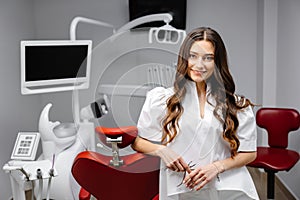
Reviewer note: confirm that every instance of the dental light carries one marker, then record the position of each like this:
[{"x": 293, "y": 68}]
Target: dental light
[{"x": 167, "y": 34}]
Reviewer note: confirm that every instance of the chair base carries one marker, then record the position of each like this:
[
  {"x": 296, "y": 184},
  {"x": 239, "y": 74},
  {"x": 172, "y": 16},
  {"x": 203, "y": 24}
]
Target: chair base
[{"x": 270, "y": 184}]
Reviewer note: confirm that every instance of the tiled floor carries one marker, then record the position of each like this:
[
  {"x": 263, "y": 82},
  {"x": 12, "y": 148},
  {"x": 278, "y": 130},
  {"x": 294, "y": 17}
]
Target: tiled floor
[{"x": 260, "y": 181}]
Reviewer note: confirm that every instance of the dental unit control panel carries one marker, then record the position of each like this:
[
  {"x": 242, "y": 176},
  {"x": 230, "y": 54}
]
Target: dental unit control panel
[{"x": 26, "y": 145}]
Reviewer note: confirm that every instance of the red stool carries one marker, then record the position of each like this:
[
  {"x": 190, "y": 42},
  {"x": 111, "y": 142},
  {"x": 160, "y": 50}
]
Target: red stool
[{"x": 278, "y": 122}]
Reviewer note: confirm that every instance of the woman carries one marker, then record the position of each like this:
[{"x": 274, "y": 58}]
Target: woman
[{"x": 203, "y": 132}]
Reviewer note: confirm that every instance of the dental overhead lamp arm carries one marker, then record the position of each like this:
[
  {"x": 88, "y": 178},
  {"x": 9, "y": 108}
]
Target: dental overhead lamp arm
[
  {"x": 76, "y": 20},
  {"x": 166, "y": 17},
  {"x": 73, "y": 27}
]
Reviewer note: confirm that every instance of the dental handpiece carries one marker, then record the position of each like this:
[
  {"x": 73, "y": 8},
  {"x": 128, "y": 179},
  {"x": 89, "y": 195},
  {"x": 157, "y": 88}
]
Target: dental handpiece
[{"x": 39, "y": 173}]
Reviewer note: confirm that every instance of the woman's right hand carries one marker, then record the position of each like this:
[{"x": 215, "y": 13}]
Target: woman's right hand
[{"x": 172, "y": 160}]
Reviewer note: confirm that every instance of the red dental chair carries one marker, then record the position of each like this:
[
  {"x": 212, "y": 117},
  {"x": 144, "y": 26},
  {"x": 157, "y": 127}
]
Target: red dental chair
[
  {"x": 129, "y": 177},
  {"x": 278, "y": 122}
]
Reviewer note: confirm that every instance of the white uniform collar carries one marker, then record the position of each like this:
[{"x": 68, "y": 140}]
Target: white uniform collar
[{"x": 191, "y": 87}]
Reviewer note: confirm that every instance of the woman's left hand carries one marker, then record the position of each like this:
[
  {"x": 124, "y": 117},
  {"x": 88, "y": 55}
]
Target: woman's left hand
[{"x": 201, "y": 176}]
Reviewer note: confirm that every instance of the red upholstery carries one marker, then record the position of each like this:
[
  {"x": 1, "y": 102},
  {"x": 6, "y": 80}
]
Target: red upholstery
[
  {"x": 275, "y": 159},
  {"x": 128, "y": 133},
  {"x": 137, "y": 179},
  {"x": 156, "y": 197},
  {"x": 278, "y": 122},
  {"x": 84, "y": 195}
]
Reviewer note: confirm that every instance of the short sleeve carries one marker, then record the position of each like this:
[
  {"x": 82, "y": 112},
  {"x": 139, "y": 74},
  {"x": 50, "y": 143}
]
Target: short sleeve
[
  {"x": 154, "y": 109},
  {"x": 247, "y": 132}
]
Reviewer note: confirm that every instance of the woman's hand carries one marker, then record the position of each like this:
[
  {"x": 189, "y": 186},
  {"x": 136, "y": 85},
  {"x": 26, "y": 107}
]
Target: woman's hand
[
  {"x": 201, "y": 176},
  {"x": 172, "y": 160}
]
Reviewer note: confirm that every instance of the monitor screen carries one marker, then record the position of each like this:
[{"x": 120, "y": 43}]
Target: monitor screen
[
  {"x": 177, "y": 8},
  {"x": 51, "y": 66}
]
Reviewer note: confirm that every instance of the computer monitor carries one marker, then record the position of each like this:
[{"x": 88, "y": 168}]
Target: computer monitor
[{"x": 55, "y": 65}]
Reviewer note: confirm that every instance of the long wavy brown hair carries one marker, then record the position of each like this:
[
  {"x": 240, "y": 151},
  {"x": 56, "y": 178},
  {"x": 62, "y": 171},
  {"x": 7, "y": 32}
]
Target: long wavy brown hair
[{"x": 222, "y": 89}]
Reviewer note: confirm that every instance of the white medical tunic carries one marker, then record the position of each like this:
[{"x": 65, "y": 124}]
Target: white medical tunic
[{"x": 199, "y": 141}]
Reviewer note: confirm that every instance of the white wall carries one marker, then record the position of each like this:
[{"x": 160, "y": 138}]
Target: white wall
[
  {"x": 18, "y": 113},
  {"x": 236, "y": 21},
  {"x": 277, "y": 69}
]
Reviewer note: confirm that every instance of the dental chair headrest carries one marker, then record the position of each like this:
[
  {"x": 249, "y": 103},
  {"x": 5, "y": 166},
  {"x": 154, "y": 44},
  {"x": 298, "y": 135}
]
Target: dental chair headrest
[{"x": 128, "y": 133}]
